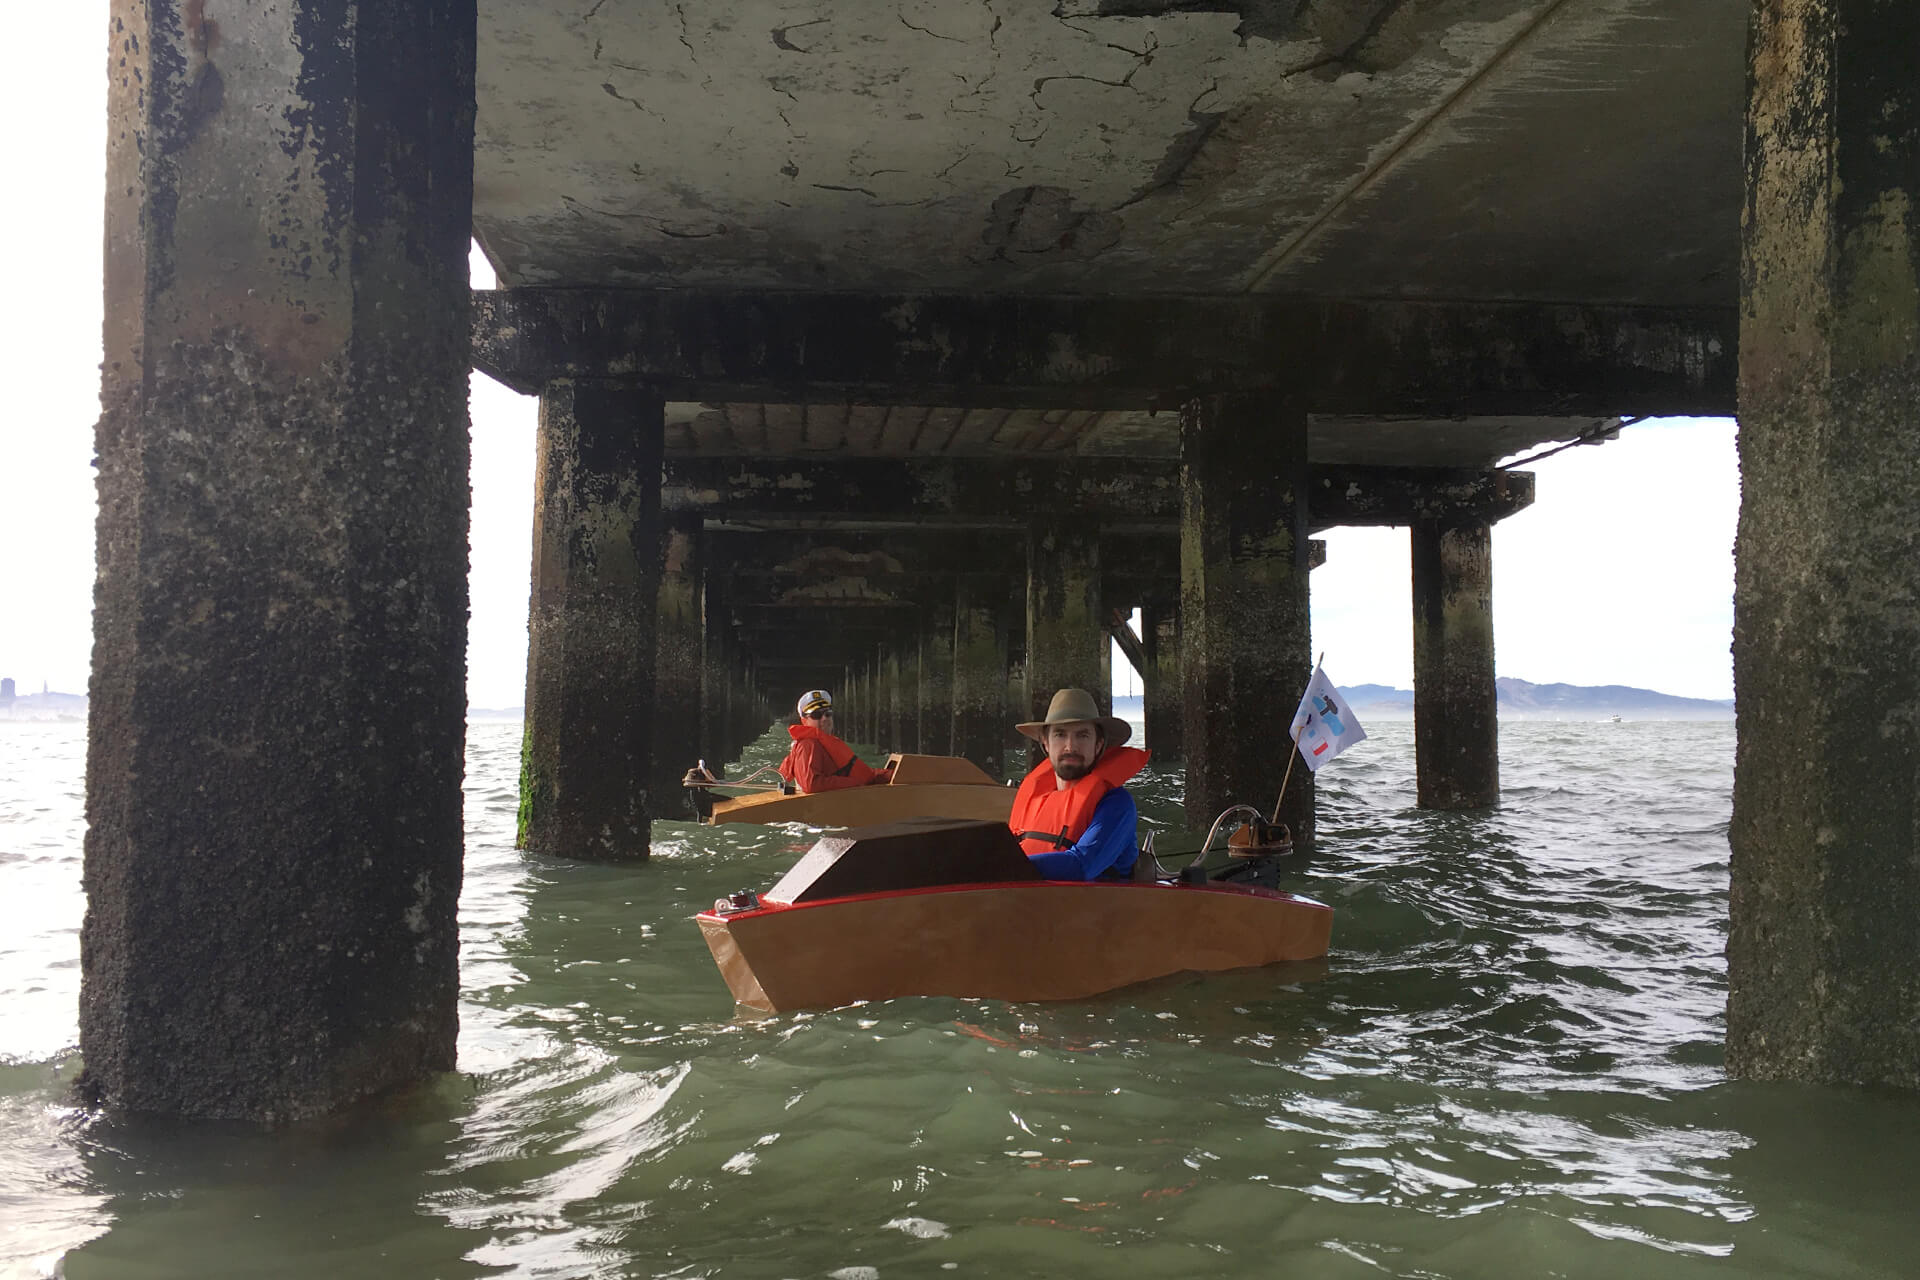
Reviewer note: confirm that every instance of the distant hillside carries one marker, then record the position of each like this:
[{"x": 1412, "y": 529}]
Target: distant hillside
[
  {"x": 1521, "y": 700},
  {"x": 1517, "y": 697},
  {"x": 1380, "y": 698}
]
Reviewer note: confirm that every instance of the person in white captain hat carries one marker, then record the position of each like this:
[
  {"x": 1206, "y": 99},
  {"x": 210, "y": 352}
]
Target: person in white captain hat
[
  {"x": 1073, "y": 814},
  {"x": 819, "y": 761}
]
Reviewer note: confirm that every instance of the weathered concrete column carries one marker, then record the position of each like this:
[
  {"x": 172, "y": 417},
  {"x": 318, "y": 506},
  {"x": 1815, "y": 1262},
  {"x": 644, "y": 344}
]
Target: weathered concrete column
[
  {"x": 1243, "y": 603},
  {"x": 586, "y": 760},
  {"x": 716, "y": 677},
  {"x": 1162, "y": 700},
  {"x": 980, "y": 730},
  {"x": 1456, "y": 733},
  {"x": 860, "y": 695},
  {"x": 679, "y": 656},
  {"x": 762, "y": 712},
  {"x": 741, "y": 713},
  {"x": 1067, "y": 641},
  {"x": 894, "y": 699},
  {"x": 273, "y": 855},
  {"x": 914, "y": 674},
  {"x": 936, "y": 682},
  {"x": 1823, "y": 970},
  {"x": 857, "y": 699}
]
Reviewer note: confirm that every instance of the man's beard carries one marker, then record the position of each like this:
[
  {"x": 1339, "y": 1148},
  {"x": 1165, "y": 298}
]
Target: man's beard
[{"x": 1072, "y": 770}]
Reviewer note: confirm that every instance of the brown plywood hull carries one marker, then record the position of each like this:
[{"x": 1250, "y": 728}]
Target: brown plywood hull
[
  {"x": 864, "y": 806},
  {"x": 1045, "y": 940}
]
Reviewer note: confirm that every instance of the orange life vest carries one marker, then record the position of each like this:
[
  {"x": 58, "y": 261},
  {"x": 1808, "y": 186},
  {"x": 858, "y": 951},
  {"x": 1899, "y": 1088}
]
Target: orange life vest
[
  {"x": 845, "y": 762},
  {"x": 1048, "y": 817}
]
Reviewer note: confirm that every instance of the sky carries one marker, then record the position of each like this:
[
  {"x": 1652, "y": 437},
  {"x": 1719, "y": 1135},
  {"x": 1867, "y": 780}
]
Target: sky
[{"x": 1620, "y": 573}]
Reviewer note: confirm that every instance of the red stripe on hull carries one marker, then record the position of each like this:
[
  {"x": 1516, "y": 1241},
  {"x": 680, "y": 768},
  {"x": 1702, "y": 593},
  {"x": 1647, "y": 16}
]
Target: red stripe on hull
[{"x": 1048, "y": 940}]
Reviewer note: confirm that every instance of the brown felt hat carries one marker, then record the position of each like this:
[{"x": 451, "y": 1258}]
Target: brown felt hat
[{"x": 1070, "y": 706}]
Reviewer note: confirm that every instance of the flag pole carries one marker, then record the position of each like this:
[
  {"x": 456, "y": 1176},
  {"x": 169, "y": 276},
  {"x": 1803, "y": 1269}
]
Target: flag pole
[{"x": 1295, "y": 753}]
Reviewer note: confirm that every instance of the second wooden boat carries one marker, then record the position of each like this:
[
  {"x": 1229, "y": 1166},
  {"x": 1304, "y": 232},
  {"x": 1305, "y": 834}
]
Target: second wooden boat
[{"x": 922, "y": 786}]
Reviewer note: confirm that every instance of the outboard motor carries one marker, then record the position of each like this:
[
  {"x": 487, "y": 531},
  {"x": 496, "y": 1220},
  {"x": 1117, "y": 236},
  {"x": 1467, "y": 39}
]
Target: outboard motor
[
  {"x": 1254, "y": 851},
  {"x": 699, "y": 799}
]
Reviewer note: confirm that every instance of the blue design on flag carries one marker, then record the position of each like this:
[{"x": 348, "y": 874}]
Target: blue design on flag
[{"x": 1321, "y": 727}]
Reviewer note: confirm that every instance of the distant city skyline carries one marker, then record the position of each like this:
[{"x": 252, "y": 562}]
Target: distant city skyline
[{"x": 1620, "y": 573}]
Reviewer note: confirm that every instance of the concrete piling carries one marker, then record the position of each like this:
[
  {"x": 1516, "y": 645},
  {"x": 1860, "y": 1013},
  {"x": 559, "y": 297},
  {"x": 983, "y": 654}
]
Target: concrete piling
[
  {"x": 936, "y": 682},
  {"x": 1243, "y": 603},
  {"x": 1824, "y": 982},
  {"x": 590, "y": 656},
  {"x": 679, "y": 656},
  {"x": 275, "y": 736},
  {"x": 902, "y": 671},
  {"x": 1162, "y": 696},
  {"x": 1456, "y": 732},
  {"x": 1067, "y": 642},
  {"x": 980, "y": 729},
  {"x": 718, "y": 744}
]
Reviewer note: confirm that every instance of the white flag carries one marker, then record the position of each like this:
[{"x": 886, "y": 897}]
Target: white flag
[{"x": 1324, "y": 726}]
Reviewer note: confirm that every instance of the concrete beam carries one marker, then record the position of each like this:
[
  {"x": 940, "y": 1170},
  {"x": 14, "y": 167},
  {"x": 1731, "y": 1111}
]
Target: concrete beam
[
  {"x": 949, "y": 493},
  {"x": 826, "y": 617},
  {"x": 1373, "y": 497},
  {"x": 1128, "y": 496},
  {"x": 1823, "y": 970},
  {"x": 1336, "y": 356},
  {"x": 274, "y": 749},
  {"x": 799, "y": 556}
]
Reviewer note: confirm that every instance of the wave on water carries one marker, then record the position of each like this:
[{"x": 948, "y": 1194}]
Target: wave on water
[{"x": 1510, "y": 1064}]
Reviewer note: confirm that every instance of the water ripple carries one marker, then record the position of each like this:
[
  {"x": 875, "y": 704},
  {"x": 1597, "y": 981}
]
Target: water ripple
[{"x": 1510, "y": 1065}]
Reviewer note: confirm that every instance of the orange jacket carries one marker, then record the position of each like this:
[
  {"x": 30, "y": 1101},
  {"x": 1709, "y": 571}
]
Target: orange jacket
[
  {"x": 821, "y": 762},
  {"x": 1041, "y": 807}
]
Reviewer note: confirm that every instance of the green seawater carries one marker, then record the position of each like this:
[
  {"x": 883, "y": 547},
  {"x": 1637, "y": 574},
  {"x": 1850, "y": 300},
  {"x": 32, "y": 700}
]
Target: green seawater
[{"x": 1510, "y": 1066}]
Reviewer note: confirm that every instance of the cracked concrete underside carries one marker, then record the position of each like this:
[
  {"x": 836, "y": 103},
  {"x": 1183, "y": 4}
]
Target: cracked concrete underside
[
  {"x": 1548, "y": 150},
  {"x": 1562, "y": 151}
]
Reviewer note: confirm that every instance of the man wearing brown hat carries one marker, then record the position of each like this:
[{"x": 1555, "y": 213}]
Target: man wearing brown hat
[{"x": 1072, "y": 813}]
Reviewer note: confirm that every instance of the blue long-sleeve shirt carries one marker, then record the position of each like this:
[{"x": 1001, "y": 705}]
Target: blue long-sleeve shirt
[{"x": 1110, "y": 841}]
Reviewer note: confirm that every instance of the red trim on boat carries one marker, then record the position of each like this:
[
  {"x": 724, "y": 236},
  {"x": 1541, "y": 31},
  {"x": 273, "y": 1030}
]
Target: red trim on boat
[{"x": 768, "y": 907}]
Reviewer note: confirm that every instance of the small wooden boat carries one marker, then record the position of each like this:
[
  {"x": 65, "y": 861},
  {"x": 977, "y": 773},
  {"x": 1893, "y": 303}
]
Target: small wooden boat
[
  {"x": 921, "y": 786},
  {"x": 933, "y": 907}
]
